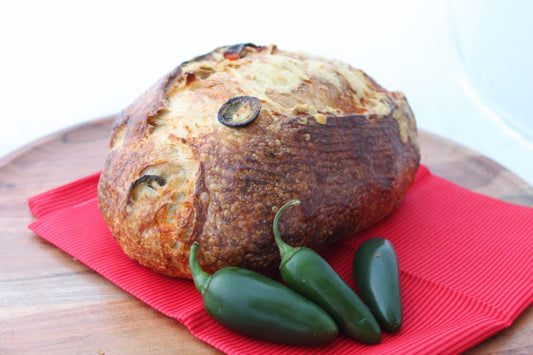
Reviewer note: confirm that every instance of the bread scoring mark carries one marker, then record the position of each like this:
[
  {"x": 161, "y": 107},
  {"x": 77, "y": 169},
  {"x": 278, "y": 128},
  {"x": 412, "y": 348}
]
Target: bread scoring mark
[{"x": 117, "y": 138}]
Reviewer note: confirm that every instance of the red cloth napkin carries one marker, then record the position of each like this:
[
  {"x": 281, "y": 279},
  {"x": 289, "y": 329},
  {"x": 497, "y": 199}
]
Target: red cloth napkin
[{"x": 466, "y": 267}]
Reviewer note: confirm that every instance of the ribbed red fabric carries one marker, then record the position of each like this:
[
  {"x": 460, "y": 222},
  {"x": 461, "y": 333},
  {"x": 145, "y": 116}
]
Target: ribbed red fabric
[{"x": 466, "y": 265}]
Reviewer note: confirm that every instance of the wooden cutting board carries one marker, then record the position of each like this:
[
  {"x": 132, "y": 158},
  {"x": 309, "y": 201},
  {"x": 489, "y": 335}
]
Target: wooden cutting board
[{"x": 50, "y": 303}]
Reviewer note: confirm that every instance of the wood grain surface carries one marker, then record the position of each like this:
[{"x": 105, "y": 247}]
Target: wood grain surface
[{"x": 52, "y": 304}]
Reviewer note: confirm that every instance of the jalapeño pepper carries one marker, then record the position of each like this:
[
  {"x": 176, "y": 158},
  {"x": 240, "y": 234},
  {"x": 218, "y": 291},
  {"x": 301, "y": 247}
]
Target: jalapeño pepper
[
  {"x": 377, "y": 277},
  {"x": 257, "y": 306},
  {"x": 308, "y": 273}
]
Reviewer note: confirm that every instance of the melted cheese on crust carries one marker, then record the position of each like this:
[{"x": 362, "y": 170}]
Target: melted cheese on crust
[{"x": 285, "y": 82}]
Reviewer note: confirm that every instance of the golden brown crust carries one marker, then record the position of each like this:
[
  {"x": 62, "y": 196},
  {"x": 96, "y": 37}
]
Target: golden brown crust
[{"x": 327, "y": 134}]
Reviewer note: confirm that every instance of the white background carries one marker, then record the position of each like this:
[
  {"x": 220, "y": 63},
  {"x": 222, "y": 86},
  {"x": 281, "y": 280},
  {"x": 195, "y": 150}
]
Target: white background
[{"x": 465, "y": 66}]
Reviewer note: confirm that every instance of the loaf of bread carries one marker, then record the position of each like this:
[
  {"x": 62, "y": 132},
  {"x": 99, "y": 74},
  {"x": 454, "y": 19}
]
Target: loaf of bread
[{"x": 213, "y": 149}]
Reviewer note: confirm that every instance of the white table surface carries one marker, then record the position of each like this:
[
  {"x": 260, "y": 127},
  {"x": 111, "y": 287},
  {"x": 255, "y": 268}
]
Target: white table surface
[{"x": 464, "y": 66}]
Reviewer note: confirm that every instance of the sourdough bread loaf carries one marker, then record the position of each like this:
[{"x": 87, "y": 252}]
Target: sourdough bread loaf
[{"x": 318, "y": 130}]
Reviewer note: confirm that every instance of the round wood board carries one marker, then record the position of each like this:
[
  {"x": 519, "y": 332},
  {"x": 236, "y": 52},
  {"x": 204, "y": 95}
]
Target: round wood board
[{"x": 50, "y": 303}]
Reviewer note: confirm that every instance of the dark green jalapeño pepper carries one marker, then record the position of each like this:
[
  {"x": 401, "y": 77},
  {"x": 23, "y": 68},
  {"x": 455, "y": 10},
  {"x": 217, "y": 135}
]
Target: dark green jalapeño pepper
[
  {"x": 257, "y": 306},
  {"x": 308, "y": 273},
  {"x": 377, "y": 278}
]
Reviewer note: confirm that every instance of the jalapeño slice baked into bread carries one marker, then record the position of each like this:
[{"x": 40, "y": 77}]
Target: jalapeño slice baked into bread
[{"x": 212, "y": 150}]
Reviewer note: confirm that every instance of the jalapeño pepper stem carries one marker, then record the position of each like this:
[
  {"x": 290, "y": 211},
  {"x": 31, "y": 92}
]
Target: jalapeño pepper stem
[
  {"x": 199, "y": 276},
  {"x": 306, "y": 272},
  {"x": 285, "y": 249},
  {"x": 258, "y": 306}
]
